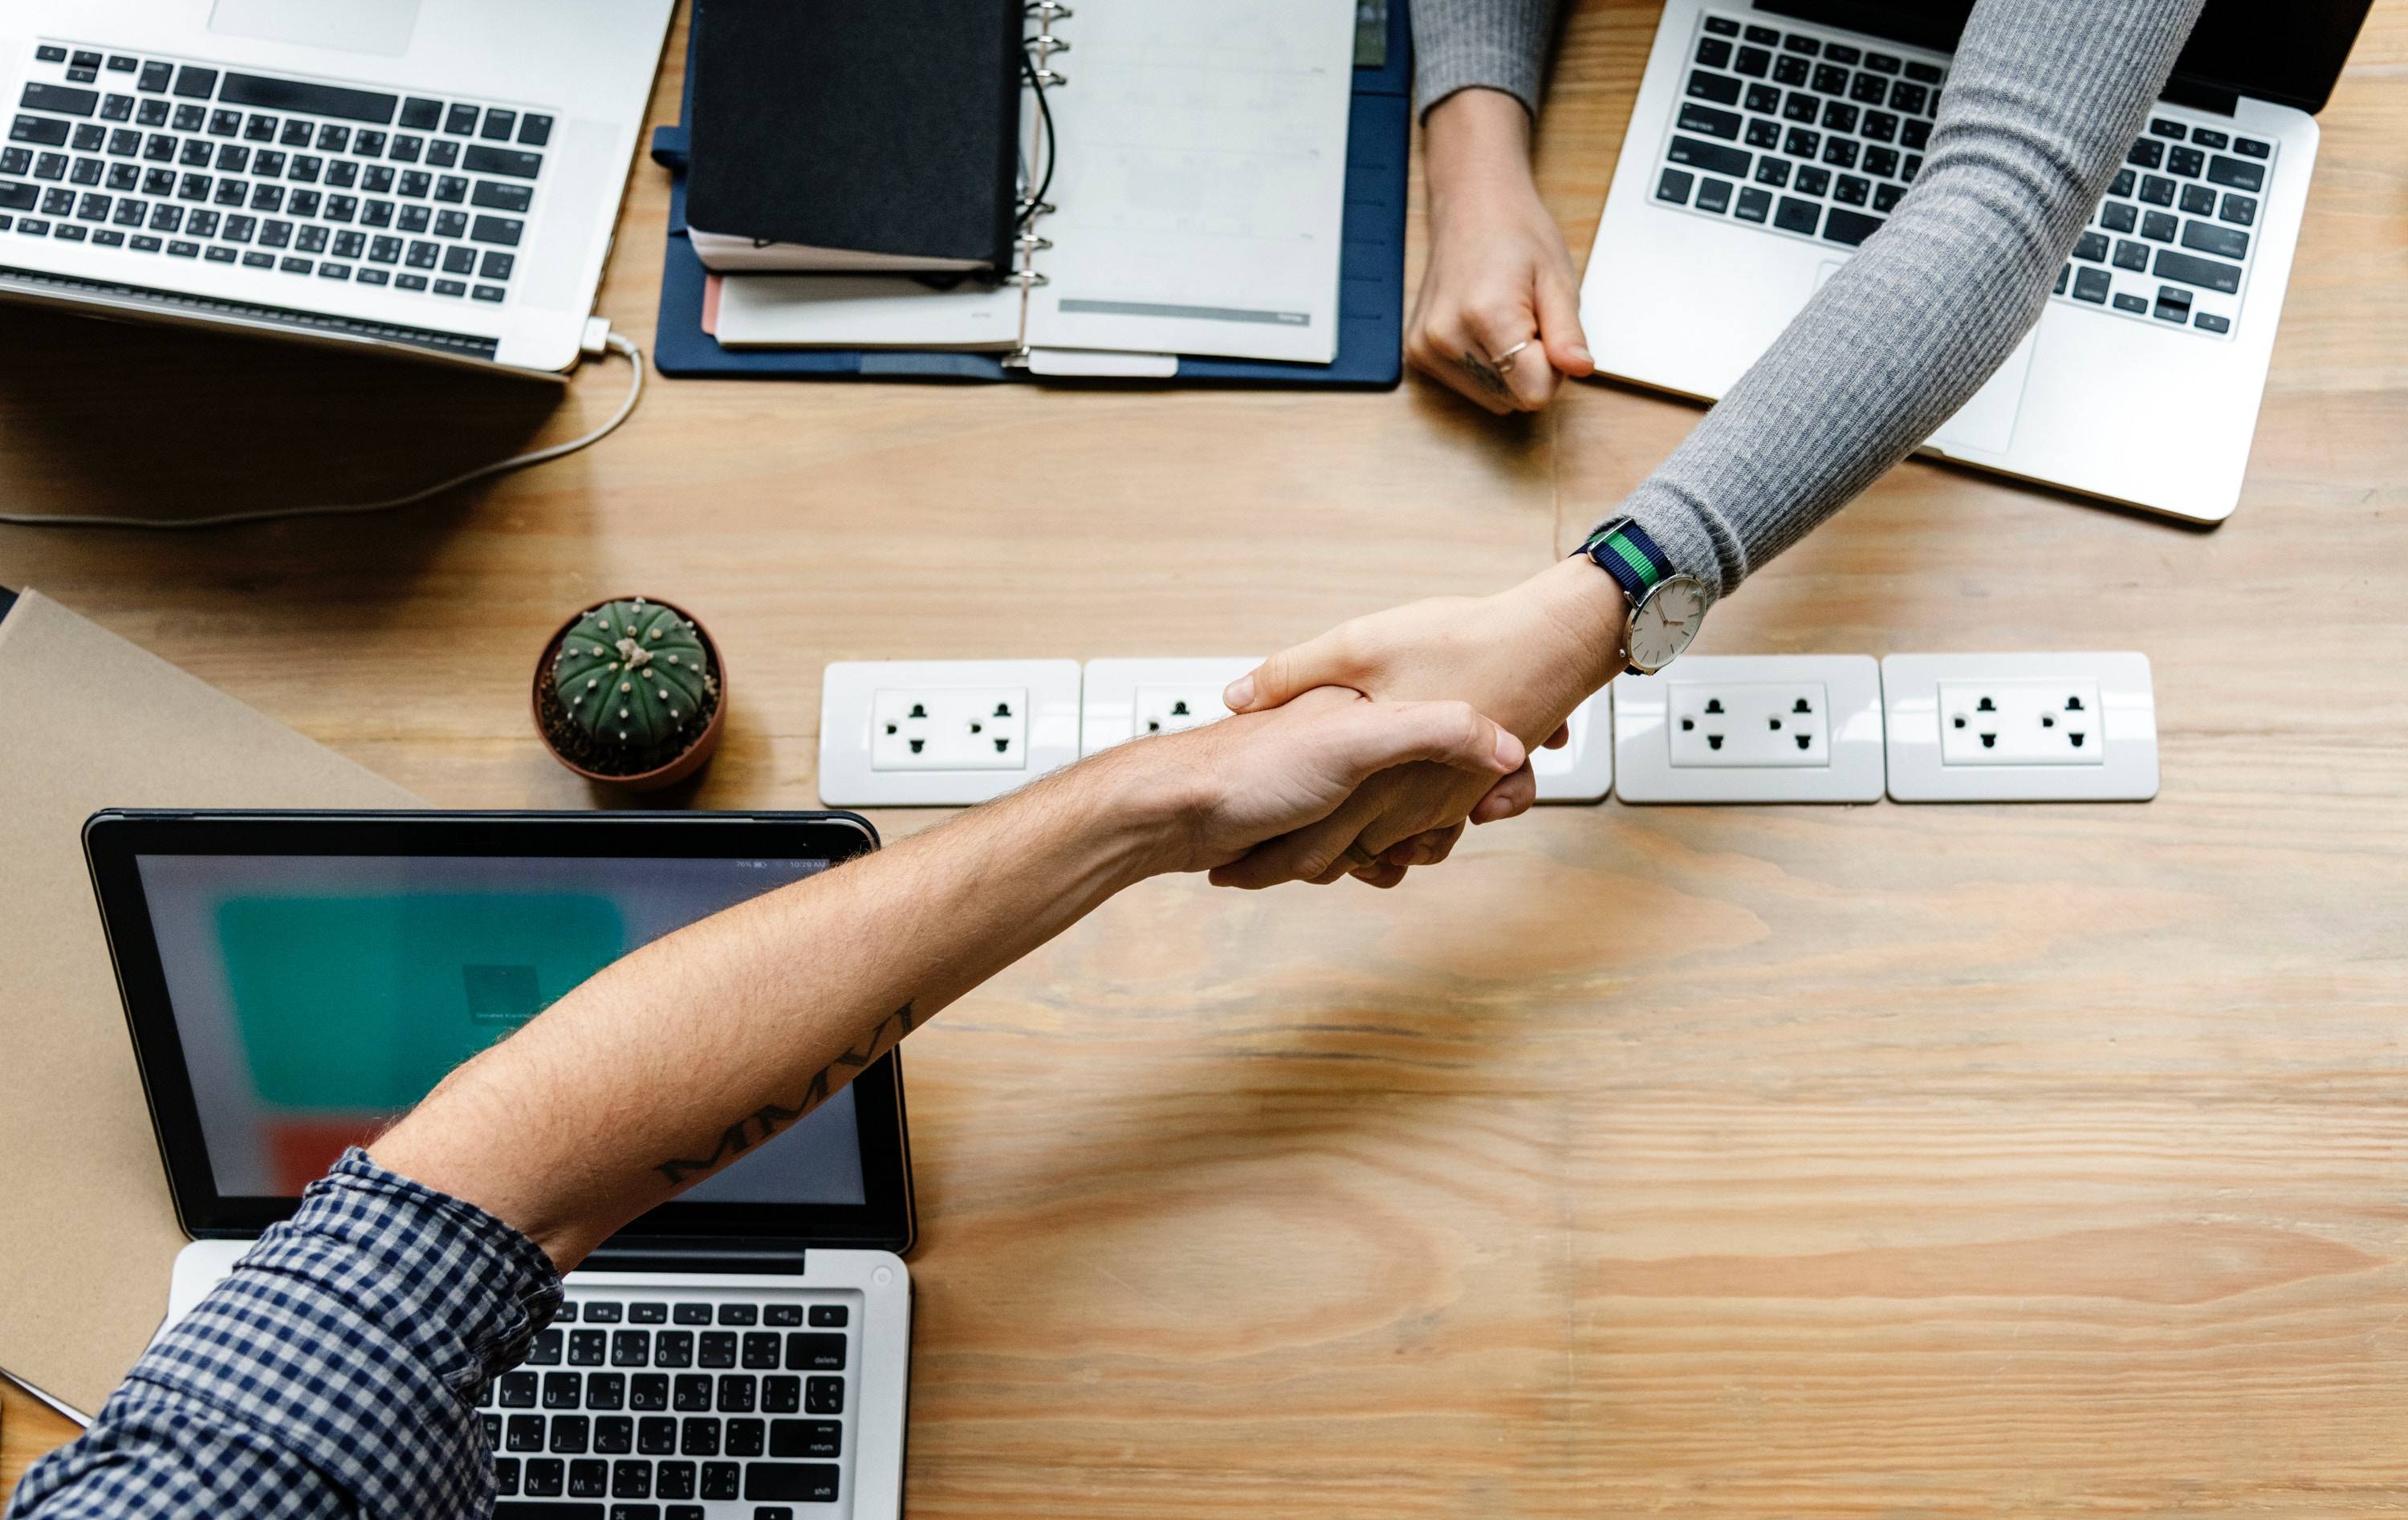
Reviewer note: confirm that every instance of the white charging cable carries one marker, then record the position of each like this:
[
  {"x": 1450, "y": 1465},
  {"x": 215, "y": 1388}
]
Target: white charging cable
[{"x": 612, "y": 341}]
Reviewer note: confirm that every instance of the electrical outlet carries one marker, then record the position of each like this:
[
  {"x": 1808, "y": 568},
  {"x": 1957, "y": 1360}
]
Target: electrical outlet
[
  {"x": 942, "y": 733},
  {"x": 1751, "y": 728},
  {"x": 1749, "y": 723},
  {"x": 2020, "y": 723},
  {"x": 2066, "y": 727},
  {"x": 1582, "y": 769},
  {"x": 973, "y": 728},
  {"x": 1125, "y": 699}
]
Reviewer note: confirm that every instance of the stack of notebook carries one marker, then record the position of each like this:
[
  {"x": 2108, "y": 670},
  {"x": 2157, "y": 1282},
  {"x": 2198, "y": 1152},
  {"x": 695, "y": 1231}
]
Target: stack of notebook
[{"x": 1146, "y": 189}]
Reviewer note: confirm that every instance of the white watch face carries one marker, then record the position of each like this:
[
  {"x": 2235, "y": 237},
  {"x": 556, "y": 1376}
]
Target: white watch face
[{"x": 1665, "y": 623}]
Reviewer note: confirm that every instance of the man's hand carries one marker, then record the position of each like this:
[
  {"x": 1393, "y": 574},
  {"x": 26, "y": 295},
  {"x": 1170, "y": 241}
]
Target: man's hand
[
  {"x": 1216, "y": 792},
  {"x": 1527, "y": 655},
  {"x": 1498, "y": 272}
]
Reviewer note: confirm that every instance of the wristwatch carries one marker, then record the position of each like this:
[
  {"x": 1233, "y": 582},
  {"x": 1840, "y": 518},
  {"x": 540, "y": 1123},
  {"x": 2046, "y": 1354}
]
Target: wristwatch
[{"x": 1666, "y": 607}]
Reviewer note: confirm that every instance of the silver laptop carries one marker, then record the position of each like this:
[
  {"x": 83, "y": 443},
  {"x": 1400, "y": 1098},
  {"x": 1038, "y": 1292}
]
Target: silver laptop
[
  {"x": 438, "y": 178},
  {"x": 292, "y": 980},
  {"x": 1770, "y": 140}
]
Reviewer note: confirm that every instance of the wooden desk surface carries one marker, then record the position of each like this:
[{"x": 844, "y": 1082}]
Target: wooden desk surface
[{"x": 1740, "y": 1161}]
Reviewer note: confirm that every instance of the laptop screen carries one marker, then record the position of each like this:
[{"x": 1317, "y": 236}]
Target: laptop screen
[
  {"x": 2289, "y": 52},
  {"x": 316, "y": 997}
]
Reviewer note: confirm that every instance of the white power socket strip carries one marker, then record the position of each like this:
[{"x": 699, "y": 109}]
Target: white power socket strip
[
  {"x": 1751, "y": 728},
  {"x": 1583, "y": 771},
  {"x": 1126, "y": 699},
  {"x": 2053, "y": 727},
  {"x": 942, "y": 733}
]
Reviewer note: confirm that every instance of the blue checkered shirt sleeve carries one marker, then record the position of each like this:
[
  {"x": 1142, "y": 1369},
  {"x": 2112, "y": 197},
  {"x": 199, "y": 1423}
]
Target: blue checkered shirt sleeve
[{"x": 334, "y": 1372}]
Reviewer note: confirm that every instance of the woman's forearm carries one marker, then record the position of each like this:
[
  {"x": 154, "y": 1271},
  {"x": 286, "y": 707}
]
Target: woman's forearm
[
  {"x": 2042, "y": 101},
  {"x": 1486, "y": 44}
]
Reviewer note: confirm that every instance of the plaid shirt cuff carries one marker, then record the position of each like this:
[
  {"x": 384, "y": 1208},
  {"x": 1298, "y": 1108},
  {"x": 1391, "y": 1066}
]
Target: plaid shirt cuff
[{"x": 346, "y": 1349}]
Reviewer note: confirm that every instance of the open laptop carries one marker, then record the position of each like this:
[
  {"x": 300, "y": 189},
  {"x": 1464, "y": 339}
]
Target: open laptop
[
  {"x": 294, "y": 980},
  {"x": 1770, "y": 140},
  {"x": 435, "y": 177}
]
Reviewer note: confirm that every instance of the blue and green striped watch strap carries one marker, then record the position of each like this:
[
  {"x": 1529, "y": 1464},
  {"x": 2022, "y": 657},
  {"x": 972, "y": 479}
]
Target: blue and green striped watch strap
[{"x": 1623, "y": 549}]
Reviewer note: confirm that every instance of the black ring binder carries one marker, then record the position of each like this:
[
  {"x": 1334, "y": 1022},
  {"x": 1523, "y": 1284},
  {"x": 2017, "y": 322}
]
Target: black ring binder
[{"x": 1041, "y": 48}]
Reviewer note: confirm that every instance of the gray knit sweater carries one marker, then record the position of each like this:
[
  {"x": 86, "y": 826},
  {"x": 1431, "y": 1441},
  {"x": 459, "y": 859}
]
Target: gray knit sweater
[{"x": 2043, "y": 100}]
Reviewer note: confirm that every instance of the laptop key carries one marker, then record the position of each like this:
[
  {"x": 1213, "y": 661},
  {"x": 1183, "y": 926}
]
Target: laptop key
[
  {"x": 461, "y": 120},
  {"x": 588, "y": 1479},
  {"x": 645, "y": 1390},
  {"x": 2208, "y": 274},
  {"x": 297, "y": 133},
  {"x": 2251, "y": 147},
  {"x": 674, "y": 1479},
  {"x": 41, "y": 131},
  {"x": 1829, "y": 79},
  {"x": 1802, "y": 107},
  {"x": 1791, "y": 70},
  {"x": 545, "y": 1477},
  {"x": 782, "y": 1394},
  {"x": 1753, "y": 61},
  {"x": 1923, "y": 73},
  {"x": 792, "y": 1314},
  {"x": 2132, "y": 255},
  {"x": 2208, "y": 321},
  {"x": 1706, "y": 120},
  {"x": 2185, "y": 161},
  {"x": 614, "y": 1435},
  {"x": 1763, "y": 133},
  {"x": 1713, "y": 195},
  {"x": 2233, "y": 174},
  {"x": 1839, "y": 116},
  {"x": 1801, "y": 142},
  {"x": 2064, "y": 273},
  {"x": 2157, "y": 190},
  {"x": 561, "y": 1389},
  {"x": 1772, "y": 171},
  {"x": 628, "y": 1348},
  {"x": 1694, "y": 152},
  {"x": 1850, "y": 228},
  {"x": 806, "y": 1438},
  {"x": 810, "y": 1481},
  {"x": 693, "y": 1392},
  {"x": 1852, "y": 189},
  {"x": 117, "y": 109},
  {"x": 2241, "y": 211},
  {"x": 2125, "y": 301},
  {"x": 535, "y": 130},
  {"x": 2158, "y": 226},
  {"x": 631, "y": 1480},
  {"x": 296, "y": 266},
  {"x": 499, "y": 124},
  {"x": 586, "y": 1348},
  {"x": 60, "y": 98},
  {"x": 747, "y": 1438},
  {"x": 2174, "y": 306},
  {"x": 760, "y": 1351},
  {"x": 2091, "y": 285},
  {"x": 1719, "y": 88},
  {"x": 826, "y": 1396},
  {"x": 419, "y": 114},
  {"x": 1811, "y": 180},
  {"x": 738, "y": 1393},
  {"x": 698, "y": 1437},
  {"x": 526, "y": 1433},
  {"x": 1673, "y": 185},
  {"x": 50, "y": 166},
  {"x": 1869, "y": 90},
  {"x": 2198, "y": 200},
  {"x": 719, "y": 1480},
  {"x": 2146, "y": 152},
  {"x": 1839, "y": 152}
]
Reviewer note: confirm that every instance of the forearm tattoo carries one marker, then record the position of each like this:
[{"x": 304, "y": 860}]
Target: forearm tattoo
[{"x": 756, "y": 1128}]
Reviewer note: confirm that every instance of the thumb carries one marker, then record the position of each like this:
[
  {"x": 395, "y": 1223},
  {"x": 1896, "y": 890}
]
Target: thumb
[
  {"x": 1559, "y": 324},
  {"x": 1288, "y": 675},
  {"x": 1372, "y": 737}
]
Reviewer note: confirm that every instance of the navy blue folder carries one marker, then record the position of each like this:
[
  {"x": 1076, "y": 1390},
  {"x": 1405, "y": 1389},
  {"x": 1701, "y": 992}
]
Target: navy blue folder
[{"x": 1372, "y": 272}]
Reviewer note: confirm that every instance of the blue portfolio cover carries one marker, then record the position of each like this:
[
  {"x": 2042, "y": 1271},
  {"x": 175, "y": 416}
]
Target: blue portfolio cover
[{"x": 1372, "y": 272}]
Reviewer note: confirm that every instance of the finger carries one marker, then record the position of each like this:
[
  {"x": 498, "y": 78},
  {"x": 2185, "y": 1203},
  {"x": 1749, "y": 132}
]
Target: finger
[
  {"x": 1436, "y": 845},
  {"x": 1529, "y": 377},
  {"x": 1381, "y": 876},
  {"x": 1561, "y": 736},
  {"x": 1366, "y": 737},
  {"x": 1559, "y": 324},
  {"x": 1509, "y": 798},
  {"x": 1452, "y": 350},
  {"x": 1291, "y": 673}
]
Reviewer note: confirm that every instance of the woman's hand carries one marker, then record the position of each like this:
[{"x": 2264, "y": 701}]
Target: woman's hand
[
  {"x": 1525, "y": 656},
  {"x": 1498, "y": 272}
]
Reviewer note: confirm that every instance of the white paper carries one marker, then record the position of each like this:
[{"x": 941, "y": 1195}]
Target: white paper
[
  {"x": 863, "y": 311},
  {"x": 1095, "y": 362},
  {"x": 1201, "y": 179}
]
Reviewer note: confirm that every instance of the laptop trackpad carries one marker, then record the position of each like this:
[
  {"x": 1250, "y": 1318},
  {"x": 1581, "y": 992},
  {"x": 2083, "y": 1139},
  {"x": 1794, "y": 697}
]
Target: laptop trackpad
[
  {"x": 378, "y": 26},
  {"x": 1986, "y": 422}
]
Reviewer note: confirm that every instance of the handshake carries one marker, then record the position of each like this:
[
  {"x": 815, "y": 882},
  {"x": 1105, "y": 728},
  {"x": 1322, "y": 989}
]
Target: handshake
[{"x": 1366, "y": 751}]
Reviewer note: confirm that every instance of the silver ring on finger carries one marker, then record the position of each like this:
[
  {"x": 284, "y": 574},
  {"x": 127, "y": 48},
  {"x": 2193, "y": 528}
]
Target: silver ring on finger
[{"x": 1505, "y": 361}]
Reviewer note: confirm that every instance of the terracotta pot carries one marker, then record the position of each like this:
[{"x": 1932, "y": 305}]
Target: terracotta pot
[{"x": 692, "y": 758}]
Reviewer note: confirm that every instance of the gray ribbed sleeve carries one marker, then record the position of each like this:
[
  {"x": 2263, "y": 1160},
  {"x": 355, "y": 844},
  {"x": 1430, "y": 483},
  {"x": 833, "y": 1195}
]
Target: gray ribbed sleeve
[
  {"x": 2040, "y": 104},
  {"x": 1495, "y": 44}
]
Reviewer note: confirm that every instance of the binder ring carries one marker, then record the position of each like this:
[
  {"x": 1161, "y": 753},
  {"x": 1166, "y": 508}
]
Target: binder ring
[
  {"x": 1045, "y": 10},
  {"x": 1045, "y": 42},
  {"x": 1030, "y": 243},
  {"x": 1027, "y": 279},
  {"x": 1047, "y": 77},
  {"x": 1036, "y": 209}
]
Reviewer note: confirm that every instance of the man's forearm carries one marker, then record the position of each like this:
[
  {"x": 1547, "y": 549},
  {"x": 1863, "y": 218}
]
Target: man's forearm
[{"x": 761, "y": 1013}]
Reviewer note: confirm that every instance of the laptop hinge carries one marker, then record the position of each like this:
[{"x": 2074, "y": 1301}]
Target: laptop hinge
[
  {"x": 666, "y": 1254},
  {"x": 2204, "y": 98}
]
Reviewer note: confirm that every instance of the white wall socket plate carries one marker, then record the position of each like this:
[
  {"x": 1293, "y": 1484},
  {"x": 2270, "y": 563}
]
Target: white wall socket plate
[
  {"x": 942, "y": 733},
  {"x": 1582, "y": 769},
  {"x": 1125, "y": 699},
  {"x": 1751, "y": 728},
  {"x": 2054, "y": 728}
]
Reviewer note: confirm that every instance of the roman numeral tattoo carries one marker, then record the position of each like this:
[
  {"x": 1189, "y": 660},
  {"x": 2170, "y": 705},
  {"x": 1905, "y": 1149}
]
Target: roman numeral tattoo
[{"x": 756, "y": 1128}]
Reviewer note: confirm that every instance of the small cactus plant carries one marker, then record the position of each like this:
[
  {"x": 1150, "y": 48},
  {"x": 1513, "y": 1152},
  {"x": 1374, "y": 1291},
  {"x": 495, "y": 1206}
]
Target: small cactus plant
[{"x": 632, "y": 675}]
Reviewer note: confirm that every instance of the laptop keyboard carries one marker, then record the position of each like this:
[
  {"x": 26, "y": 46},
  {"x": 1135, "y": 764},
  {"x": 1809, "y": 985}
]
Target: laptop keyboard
[
  {"x": 650, "y": 1409},
  {"x": 292, "y": 178},
  {"x": 1805, "y": 135}
]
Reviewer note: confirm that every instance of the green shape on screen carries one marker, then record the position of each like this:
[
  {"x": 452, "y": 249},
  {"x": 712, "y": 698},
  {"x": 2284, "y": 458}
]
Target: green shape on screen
[{"x": 358, "y": 1003}]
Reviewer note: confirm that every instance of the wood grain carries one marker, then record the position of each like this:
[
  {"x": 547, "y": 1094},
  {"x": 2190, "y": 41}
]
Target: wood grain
[
  {"x": 1852, "y": 1162},
  {"x": 26, "y": 1431}
]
